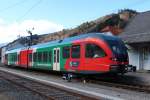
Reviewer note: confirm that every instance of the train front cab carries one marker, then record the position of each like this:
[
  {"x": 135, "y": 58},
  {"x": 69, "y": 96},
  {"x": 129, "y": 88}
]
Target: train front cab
[
  {"x": 95, "y": 56},
  {"x": 119, "y": 58},
  {"x": 105, "y": 56}
]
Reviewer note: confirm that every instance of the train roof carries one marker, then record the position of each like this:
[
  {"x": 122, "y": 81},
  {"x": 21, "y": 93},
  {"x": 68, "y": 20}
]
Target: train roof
[
  {"x": 71, "y": 39},
  {"x": 14, "y": 50}
]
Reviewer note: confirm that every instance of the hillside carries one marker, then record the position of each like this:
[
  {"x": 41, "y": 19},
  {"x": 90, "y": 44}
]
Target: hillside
[{"x": 114, "y": 23}]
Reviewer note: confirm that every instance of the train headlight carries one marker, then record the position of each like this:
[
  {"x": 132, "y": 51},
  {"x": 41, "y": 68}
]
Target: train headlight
[{"x": 114, "y": 59}]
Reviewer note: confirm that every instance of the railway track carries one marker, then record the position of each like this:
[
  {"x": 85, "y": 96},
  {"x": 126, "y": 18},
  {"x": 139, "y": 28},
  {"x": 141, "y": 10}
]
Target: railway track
[
  {"x": 109, "y": 83},
  {"x": 46, "y": 91}
]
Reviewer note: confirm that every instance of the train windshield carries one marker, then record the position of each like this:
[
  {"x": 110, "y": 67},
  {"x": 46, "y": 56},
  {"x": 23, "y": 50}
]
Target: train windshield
[{"x": 118, "y": 48}]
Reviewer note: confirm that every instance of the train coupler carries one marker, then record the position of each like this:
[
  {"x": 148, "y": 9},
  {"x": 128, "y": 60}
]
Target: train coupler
[{"x": 130, "y": 68}]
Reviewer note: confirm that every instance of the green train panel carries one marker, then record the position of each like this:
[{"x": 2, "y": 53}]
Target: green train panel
[
  {"x": 12, "y": 58},
  {"x": 49, "y": 58}
]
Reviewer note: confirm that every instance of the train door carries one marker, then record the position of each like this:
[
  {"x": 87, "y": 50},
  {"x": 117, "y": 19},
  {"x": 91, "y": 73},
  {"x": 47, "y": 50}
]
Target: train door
[
  {"x": 56, "y": 59},
  {"x": 30, "y": 59},
  {"x": 76, "y": 59},
  {"x": 23, "y": 58}
]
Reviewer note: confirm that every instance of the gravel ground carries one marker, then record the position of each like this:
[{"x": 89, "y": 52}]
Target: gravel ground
[
  {"x": 110, "y": 91},
  {"x": 10, "y": 91}
]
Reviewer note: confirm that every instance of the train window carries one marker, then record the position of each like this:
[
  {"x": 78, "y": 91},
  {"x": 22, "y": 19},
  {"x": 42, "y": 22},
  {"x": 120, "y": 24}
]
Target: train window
[
  {"x": 12, "y": 57},
  {"x": 35, "y": 57},
  {"x": 15, "y": 58},
  {"x": 94, "y": 51},
  {"x": 54, "y": 56},
  {"x": 66, "y": 52},
  {"x": 18, "y": 58},
  {"x": 75, "y": 51},
  {"x": 39, "y": 56},
  {"x": 30, "y": 57},
  {"x": 6, "y": 57},
  {"x": 45, "y": 56},
  {"x": 50, "y": 56},
  {"x": 57, "y": 56}
]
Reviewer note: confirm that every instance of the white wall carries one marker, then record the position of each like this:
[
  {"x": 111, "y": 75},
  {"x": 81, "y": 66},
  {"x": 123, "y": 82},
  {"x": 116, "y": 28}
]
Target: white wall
[
  {"x": 133, "y": 56},
  {"x": 139, "y": 57},
  {"x": 3, "y": 55},
  {"x": 146, "y": 58}
]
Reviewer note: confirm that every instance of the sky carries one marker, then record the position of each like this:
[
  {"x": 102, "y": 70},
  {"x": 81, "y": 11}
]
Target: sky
[{"x": 47, "y": 16}]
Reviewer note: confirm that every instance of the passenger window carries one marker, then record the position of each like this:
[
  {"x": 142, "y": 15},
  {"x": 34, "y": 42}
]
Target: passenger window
[
  {"x": 45, "y": 56},
  {"x": 30, "y": 57},
  {"x": 15, "y": 58},
  {"x": 57, "y": 56},
  {"x": 94, "y": 51},
  {"x": 75, "y": 51},
  {"x": 35, "y": 57},
  {"x": 50, "y": 56},
  {"x": 66, "y": 52},
  {"x": 6, "y": 56},
  {"x": 54, "y": 56},
  {"x": 40, "y": 56},
  {"x": 18, "y": 58}
]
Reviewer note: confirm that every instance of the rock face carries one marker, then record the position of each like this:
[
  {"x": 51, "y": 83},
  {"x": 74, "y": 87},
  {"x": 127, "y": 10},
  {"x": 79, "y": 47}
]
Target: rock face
[{"x": 114, "y": 23}]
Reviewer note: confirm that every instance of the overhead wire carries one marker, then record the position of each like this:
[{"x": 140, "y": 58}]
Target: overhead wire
[
  {"x": 29, "y": 10},
  {"x": 13, "y": 5}
]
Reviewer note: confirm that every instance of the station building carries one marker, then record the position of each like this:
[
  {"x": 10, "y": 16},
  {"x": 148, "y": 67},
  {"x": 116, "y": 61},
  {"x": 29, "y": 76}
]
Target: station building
[{"x": 137, "y": 37}]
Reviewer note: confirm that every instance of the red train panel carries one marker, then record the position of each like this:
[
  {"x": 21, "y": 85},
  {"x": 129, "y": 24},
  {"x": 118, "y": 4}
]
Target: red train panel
[
  {"x": 23, "y": 62},
  {"x": 89, "y": 64}
]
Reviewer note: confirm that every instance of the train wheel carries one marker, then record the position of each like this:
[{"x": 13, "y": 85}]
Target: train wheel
[
  {"x": 64, "y": 77},
  {"x": 69, "y": 77}
]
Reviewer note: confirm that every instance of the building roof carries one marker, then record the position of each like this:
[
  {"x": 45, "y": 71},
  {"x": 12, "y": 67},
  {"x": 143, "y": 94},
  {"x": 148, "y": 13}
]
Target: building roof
[{"x": 138, "y": 29}]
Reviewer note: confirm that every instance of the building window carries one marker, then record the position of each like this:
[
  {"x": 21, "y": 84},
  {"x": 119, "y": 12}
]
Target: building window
[
  {"x": 146, "y": 52},
  {"x": 75, "y": 51},
  {"x": 94, "y": 51},
  {"x": 66, "y": 52}
]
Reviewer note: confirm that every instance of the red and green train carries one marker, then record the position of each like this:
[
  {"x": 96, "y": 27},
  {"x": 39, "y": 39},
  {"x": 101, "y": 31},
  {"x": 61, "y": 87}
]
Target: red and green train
[{"x": 91, "y": 53}]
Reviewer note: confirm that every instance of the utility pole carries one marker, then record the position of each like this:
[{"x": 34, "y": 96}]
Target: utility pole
[{"x": 31, "y": 39}]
